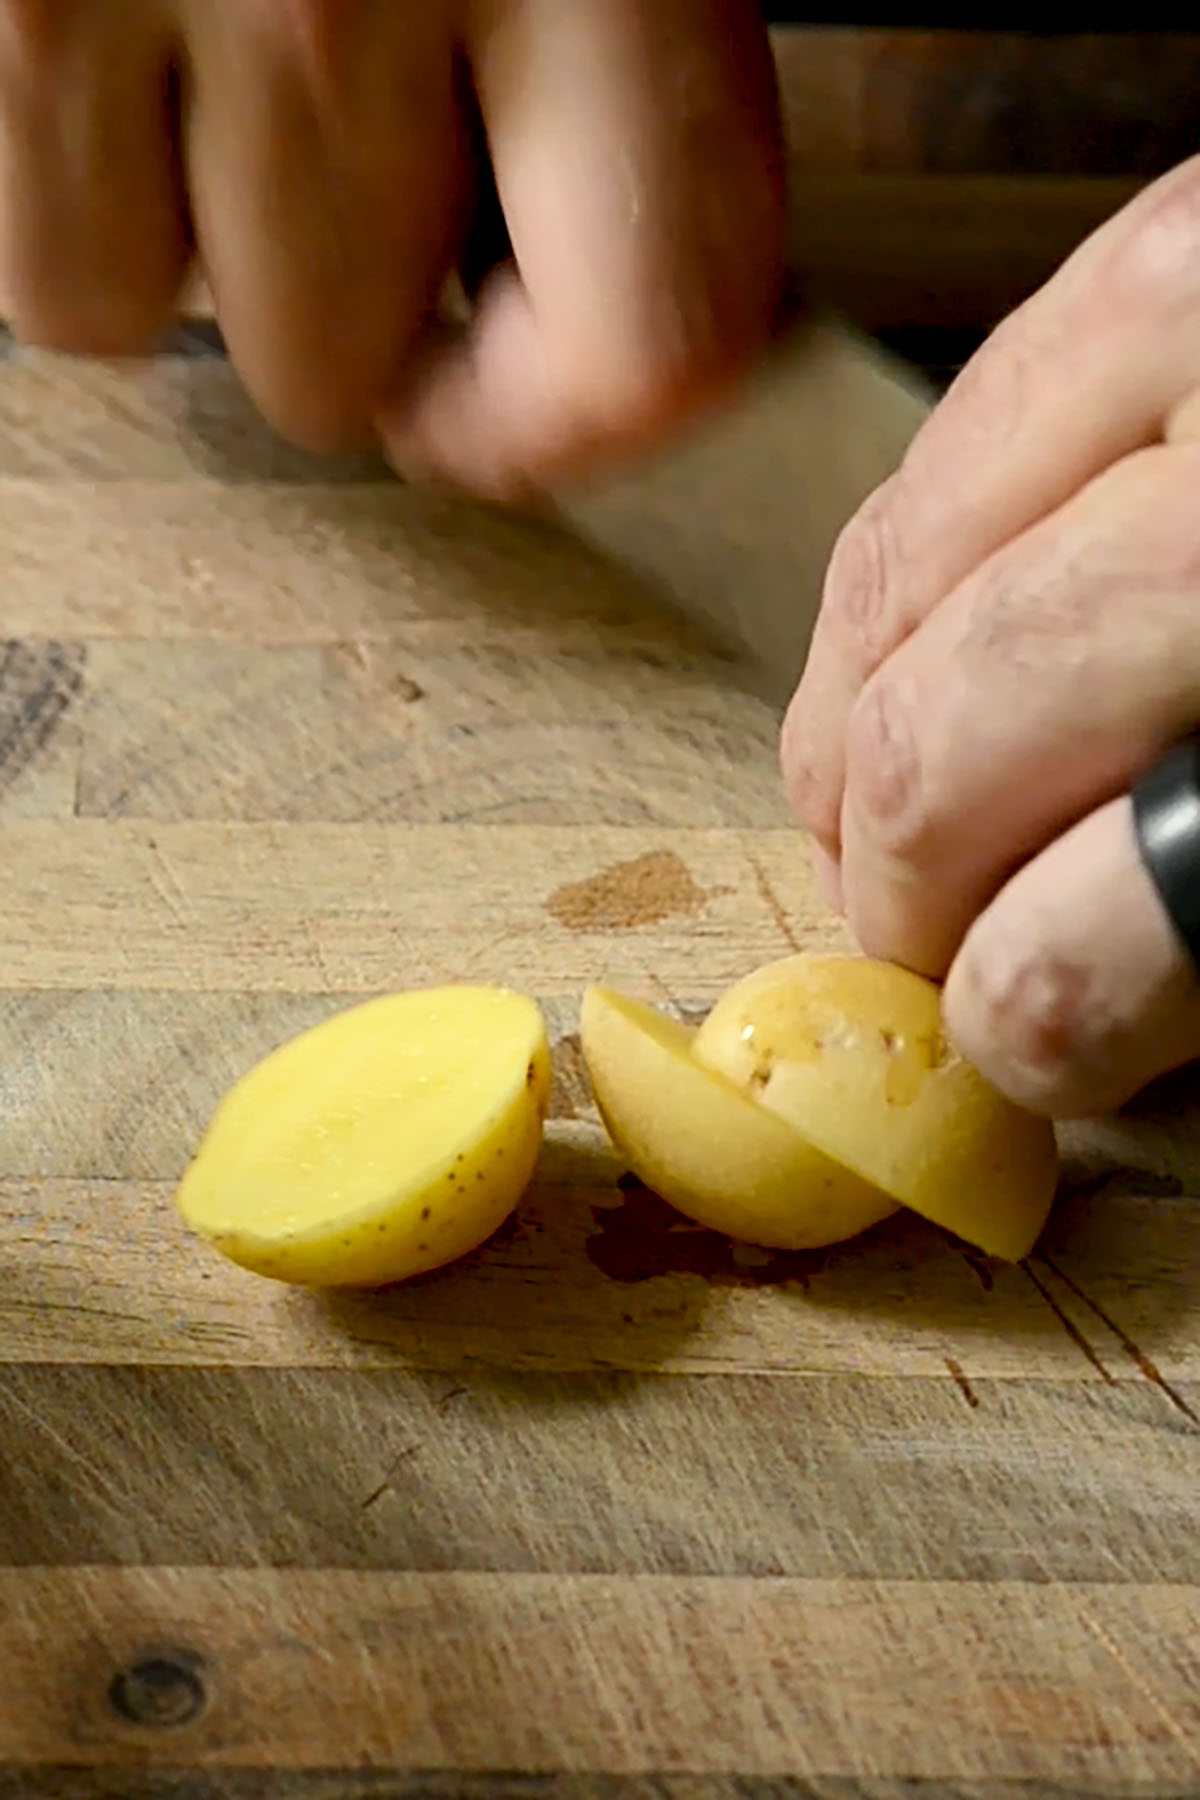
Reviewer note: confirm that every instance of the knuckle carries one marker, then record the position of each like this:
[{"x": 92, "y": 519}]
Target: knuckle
[
  {"x": 989, "y": 399},
  {"x": 95, "y": 321},
  {"x": 644, "y": 389},
  {"x": 814, "y": 796},
  {"x": 676, "y": 358},
  {"x": 1154, "y": 254},
  {"x": 1010, "y": 624},
  {"x": 1026, "y": 1012},
  {"x": 861, "y": 603},
  {"x": 884, "y": 773},
  {"x": 321, "y": 417},
  {"x": 93, "y": 295}
]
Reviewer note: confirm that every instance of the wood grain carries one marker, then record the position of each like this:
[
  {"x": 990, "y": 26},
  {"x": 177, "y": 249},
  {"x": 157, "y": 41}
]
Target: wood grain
[
  {"x": 614, "y": 1510},
  {"x": 599, "y": 1673},
  {"x": 276, "y": 562},
  {"x": 555, "y": 1473},
  {"x": 354, "y": 908},
  {"x": 944, "y": 251},
  {"x": 987, "y": 102},
  {"x": 940, "y": 176},
  {"x": 224, "y": 1783},
  {"x": 594, "y": 1276}
]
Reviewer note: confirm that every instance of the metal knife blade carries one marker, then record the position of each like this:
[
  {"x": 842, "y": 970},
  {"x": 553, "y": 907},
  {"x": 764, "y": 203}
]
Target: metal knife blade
[{"x": 735, "y": 525}]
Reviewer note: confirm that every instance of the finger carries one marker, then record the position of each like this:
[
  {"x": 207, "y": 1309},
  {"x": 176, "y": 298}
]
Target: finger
[
  {"x": 327, "y": 176},
  {"x": 94, "y": 238},
  {"x": 828, "y": 875},
  {"x": 636, "y": 156},
  {"x": 1073, "y": 991},
  {"x": 1087, "y": 371},
  {"x": 1043, "y": 685}
]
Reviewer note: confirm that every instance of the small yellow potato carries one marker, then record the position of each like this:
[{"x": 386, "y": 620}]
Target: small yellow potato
[
  {"x": 851, "y": 1054},
  {"x": 388, "y": 1140},
  {"x": 714, "y": 1153}
]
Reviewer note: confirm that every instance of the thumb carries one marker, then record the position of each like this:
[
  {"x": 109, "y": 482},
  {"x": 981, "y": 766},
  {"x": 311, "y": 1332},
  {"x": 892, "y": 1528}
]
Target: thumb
[{"x": 1073, "y": 990}]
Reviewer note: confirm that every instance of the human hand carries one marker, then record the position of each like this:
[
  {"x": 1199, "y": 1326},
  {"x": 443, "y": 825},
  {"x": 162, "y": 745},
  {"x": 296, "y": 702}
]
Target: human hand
[
  {"x": 319, "y": 155},
  {"x": 1009, "y": 638}
]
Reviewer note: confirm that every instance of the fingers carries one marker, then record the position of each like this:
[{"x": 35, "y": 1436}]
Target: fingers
[
  {"x": 94, "y": 240},
  {"x": 327, "y": 173},
  {"x": 636, "y": 156},
  {"x": 1043, "y": 685},
  {"x": 1072, "y": 991},
  {"x": 1088, "y": 371}
]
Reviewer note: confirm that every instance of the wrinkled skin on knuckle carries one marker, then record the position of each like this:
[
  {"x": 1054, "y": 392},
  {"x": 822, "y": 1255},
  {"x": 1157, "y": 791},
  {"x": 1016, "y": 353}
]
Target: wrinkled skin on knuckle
[
  {"x": 814, "y": 802},
  {"x": 885, "y": 782},
  {"x": 1032, "y": 1017},
  {"x": 986, "y": 403},
  {"x": 1020, "y": 623},
  {"x": 860, "y": 607}
]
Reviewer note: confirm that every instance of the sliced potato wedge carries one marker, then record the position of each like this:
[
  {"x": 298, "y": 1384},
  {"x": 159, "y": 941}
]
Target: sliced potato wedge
[
  {"x": 709, "y": 1149},
  {"x": 851, "y": 1054}
]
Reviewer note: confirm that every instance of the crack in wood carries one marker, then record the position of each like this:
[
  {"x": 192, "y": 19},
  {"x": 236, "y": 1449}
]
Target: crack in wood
[
  {"x": 1137, "y": 1356},
  {"x": 394, "y": 1467},
  {"x": 959, "y": 1377},
  {"x": 774, "y": 905},
  {"x": 1072, "y": 1330}
]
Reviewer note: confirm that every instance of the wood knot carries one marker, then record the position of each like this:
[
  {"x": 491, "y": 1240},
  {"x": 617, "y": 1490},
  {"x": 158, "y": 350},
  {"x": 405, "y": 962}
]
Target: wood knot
[{"x": 162, "y": 1691}]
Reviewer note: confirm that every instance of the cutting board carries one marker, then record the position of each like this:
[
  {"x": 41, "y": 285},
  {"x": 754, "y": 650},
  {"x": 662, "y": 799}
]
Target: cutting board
[{"x": 613, "y": 1510}]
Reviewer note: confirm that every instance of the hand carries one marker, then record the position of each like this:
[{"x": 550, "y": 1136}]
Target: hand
[
  {"x": 1009, "y": 638},
  {"x": 319, "y": 153}
]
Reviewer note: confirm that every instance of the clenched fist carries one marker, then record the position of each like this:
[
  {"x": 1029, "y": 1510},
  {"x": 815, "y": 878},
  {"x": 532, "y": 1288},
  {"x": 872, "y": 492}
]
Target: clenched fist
[
  {"x": 319, "y": 158},
  {"x": 1009, "y": 640}
]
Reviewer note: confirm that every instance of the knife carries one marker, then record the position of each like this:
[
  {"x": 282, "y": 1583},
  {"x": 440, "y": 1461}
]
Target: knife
[{"x": 735, "y": 525}]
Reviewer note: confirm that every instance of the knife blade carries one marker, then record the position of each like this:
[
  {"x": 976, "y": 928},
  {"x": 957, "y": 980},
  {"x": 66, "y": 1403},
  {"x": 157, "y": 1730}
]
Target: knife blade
[{"x": 734, "y": 526}]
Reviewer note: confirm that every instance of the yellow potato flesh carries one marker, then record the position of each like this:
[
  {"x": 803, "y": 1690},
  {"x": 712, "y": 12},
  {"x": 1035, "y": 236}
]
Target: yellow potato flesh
[
  {"x": 712, "y": 1152},
  {"x": 851, "y": 1053},
  {"x": 389, "y": 1140}
]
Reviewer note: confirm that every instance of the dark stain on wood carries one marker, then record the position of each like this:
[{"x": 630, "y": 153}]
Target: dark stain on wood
[
  {"x": 1085, "y": 1184},
  {"x": 643, "y": 1238},
  {"x": 38, "y": 684},
  {"x": 630, "y": 895}
]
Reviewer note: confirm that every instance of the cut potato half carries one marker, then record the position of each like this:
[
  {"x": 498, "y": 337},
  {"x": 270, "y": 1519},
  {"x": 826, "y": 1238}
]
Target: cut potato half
[
  {"x": 710, "y": 1150},
  {"x": 851, "y": 1054},
  {"x": 386, "y": 1141}
]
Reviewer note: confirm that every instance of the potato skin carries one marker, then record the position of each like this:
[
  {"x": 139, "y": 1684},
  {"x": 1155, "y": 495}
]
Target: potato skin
[
  {"x": 706, "y": 1148},
  {"x": 852, "y": 1053}
]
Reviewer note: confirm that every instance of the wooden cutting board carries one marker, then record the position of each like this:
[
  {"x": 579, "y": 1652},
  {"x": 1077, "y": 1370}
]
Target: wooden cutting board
[{"x": 613, "y": 1510}]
